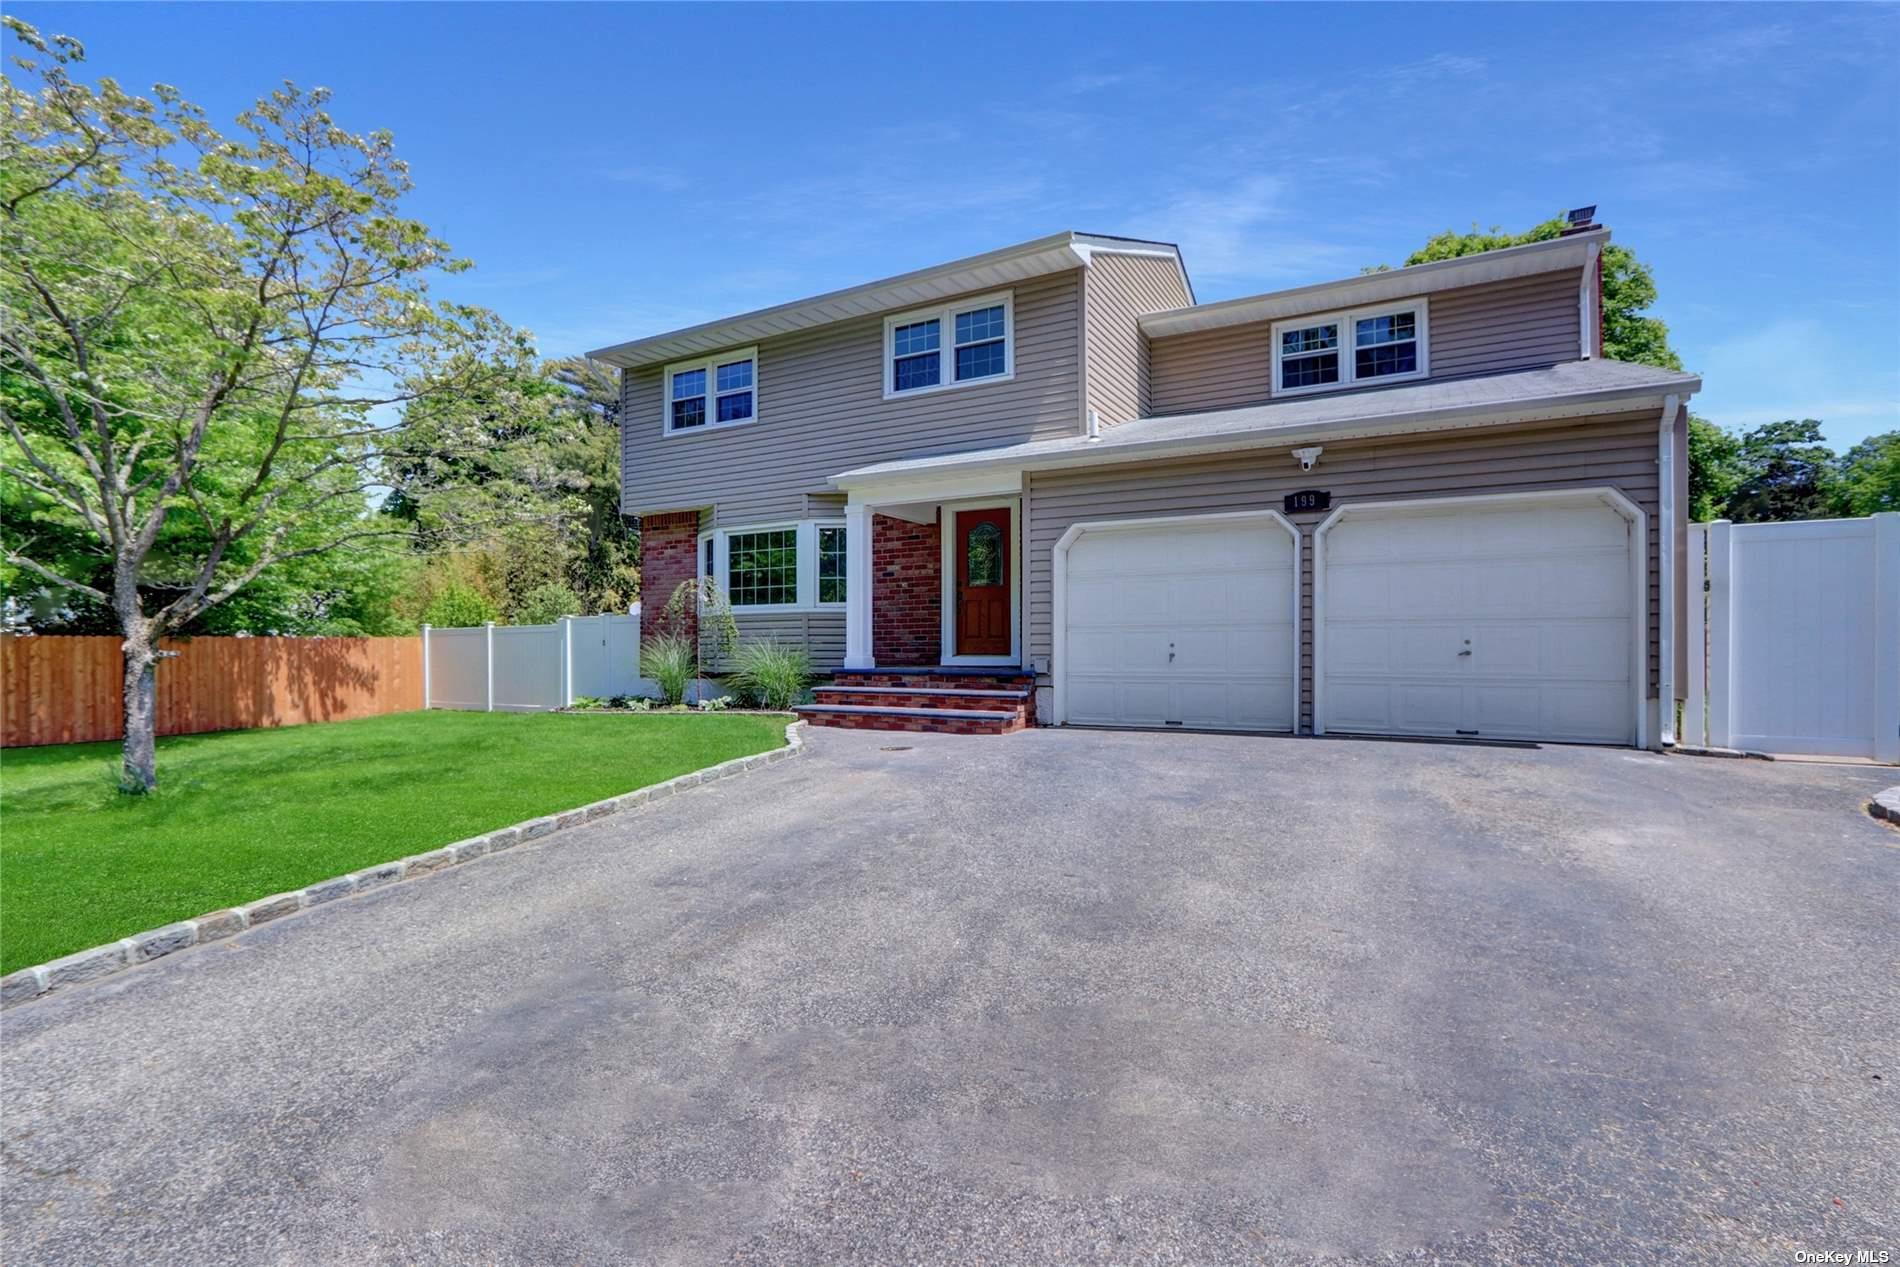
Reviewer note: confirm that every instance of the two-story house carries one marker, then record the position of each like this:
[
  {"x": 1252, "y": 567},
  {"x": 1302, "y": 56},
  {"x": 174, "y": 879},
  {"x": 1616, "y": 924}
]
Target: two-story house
[{"x": 1044, "y": 484}]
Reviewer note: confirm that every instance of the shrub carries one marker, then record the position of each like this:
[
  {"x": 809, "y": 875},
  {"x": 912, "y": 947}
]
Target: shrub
[
  {"x": 458, "y": 606},
  {"x": 587, "y": 702},
  {"x": 773, "y": 674},
  {"x": 545, "y": 604},
  {"x": 719, "y": 704},
  {"x": 672, "y": 662}
]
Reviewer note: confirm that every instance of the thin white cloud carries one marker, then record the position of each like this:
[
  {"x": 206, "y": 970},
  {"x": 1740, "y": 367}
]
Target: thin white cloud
[
  {"x": 1796, "y": 368},
  {"x": 1243, "y": 233},
  {"x": 648, "y": 176}
]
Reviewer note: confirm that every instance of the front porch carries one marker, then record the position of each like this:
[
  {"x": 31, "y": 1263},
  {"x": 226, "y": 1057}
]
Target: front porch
[
  {"x": 933, "y": 616},
  {"x": 934, "y": 583}
]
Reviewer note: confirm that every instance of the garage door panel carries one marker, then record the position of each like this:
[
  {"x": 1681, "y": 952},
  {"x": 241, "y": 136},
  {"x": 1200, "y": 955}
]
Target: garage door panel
[
  {"x": 1595, "y": 585},
  {"x": 1426, "y": 589},
  {"x": 1510, "y": 649},
  {"x": 1193, "y": 624},
  {"x": 1426, "y": 708},
  {"x": 1354, "y": 590},
  {"x": 1091, "y": 601},
  {"x": 1509, "y": 711},
  {"x": 1581, "y": 713},
  {"x": 1540, "y": 597},
  {"x": 1091, "y": 650}
]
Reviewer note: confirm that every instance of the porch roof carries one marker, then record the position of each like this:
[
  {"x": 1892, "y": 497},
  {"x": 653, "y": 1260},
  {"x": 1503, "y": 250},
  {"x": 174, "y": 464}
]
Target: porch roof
[{"x": 1569, "y": 389}]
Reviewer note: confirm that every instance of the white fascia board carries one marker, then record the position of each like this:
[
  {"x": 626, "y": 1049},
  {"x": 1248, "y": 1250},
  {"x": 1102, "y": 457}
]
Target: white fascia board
[
  {"x": 1581, "y": 405},
  {"x": 1373, "y": 288},
  {"x": 931, "y": 486},
  {"x": 990, "y": 271}
]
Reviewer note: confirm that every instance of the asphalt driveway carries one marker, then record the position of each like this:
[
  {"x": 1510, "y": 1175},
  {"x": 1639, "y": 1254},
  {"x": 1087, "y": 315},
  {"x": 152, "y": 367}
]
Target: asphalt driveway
[{"x": 1053, "y": 997}]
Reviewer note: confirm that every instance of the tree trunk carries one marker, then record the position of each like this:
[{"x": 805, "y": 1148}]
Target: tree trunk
[{"x": 139, "y": 771}]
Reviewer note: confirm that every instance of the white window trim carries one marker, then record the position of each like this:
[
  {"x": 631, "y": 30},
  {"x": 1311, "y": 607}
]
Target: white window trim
[
  {"x": 807, "y": 547},
  {"x": 711, "y": 365},
  {"x": 1348, "y": 359},
  {"x": 946, "y": 316}
]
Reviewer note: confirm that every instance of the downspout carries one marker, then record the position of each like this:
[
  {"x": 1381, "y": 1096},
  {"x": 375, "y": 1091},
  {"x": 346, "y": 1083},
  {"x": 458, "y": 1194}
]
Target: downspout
[
  {"x": 1590, "y": 303},
  {"x": 1666, "y": 572}
]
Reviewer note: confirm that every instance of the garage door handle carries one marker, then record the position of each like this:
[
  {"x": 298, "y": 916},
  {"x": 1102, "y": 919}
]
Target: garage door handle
[{"x": 1466, "y": 651}]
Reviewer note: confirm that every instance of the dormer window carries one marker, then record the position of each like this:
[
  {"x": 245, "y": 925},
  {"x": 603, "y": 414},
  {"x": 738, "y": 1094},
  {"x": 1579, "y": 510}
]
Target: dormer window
[
  {"x": 715, "y": 391},
  {"x": 954, "y": 345},
  {"x": 1344, "y": 349}
]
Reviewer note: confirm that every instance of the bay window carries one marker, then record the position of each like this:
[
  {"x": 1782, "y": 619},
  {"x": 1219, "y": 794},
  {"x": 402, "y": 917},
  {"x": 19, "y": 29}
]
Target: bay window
[{"x": 778, "y": 567}]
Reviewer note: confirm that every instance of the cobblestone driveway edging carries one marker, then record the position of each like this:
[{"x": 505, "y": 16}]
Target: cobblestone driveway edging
[{"x": 28, "y": 984}]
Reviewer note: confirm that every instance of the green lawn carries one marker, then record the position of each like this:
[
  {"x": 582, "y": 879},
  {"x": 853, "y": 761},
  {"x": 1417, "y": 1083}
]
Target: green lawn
[{"x": 245, "y": 814}]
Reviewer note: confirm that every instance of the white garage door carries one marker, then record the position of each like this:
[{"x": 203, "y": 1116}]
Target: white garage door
[
  {"x": 1183, "y": 625},
  {"x": 1498, "y": 623}
]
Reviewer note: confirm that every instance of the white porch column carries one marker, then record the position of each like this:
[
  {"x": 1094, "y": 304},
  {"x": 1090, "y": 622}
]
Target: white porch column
[{"x": 857, "y": 587}]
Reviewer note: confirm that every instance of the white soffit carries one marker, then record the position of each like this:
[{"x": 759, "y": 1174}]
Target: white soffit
[{"x": 1398, "y": 283}]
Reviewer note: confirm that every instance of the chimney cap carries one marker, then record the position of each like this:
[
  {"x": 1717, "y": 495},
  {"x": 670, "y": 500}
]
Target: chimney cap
[{"x": 1579, "y": 220}]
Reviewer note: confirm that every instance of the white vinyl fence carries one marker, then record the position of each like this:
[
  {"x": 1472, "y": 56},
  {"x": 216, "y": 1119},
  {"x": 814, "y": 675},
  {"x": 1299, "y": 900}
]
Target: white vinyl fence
[
  {"x": 529, "y": 668},
  {"x": 1796, "y": 648}
]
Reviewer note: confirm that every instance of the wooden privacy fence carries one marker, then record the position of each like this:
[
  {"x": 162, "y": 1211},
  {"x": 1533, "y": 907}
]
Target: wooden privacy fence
[{"x": 71, "y": 689}]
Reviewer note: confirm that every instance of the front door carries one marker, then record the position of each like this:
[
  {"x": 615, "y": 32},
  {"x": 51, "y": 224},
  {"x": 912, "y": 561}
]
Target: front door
[{"x": 981, "y": 550}]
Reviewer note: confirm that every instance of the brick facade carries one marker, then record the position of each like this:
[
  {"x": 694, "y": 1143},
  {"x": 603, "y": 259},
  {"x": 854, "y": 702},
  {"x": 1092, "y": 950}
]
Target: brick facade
[
  {"x": 669, "y": 545},
  {"x": 907, "y": 592}
]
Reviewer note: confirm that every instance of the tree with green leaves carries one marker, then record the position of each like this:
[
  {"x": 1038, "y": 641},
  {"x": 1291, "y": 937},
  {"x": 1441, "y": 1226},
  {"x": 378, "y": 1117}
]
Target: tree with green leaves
[
  {"x": 202, "y": 334},
  {"x": 1629, "y": 288},
  {"x": 1715, "y": 468},
  {"x": 525, "y": 478},
  {"x": 1787, "y": 472},
  {"x": 1867, "y": 478}
]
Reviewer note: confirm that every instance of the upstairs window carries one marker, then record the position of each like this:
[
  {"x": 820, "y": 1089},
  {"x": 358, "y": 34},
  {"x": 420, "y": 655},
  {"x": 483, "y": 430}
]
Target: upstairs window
[
  {"x": 717, "y": 391},
  {"x": 952, "y": 346},
  {"x": 1313, "y": 354}
]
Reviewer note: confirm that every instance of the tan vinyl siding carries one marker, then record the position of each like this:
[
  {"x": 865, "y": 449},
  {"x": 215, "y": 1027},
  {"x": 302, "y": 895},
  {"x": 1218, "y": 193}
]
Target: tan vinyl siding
[
  {"x": 1617, "y": 451},
  {"x": 1120, "y": 289},
  {"x": 1509, "y": 325},
  {"x": 822, "y": 410},
  {"x": 821, "y": 633}
]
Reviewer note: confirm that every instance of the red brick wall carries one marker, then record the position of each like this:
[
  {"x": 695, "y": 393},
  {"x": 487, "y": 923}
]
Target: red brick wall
[
  {"x": 668, "y": 546},
  {"x": 906, "y": 592}
]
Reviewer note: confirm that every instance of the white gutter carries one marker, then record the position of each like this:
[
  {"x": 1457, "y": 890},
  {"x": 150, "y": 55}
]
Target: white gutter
[
  {"x": 1666, "y": 571},
  {"x": 1112, "y": 448}
]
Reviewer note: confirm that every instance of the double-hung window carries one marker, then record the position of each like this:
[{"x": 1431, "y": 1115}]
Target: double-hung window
[
  {"x": 1343, "y": 349},
  {"x": 786, "y": 567},
  {"x": 715, "y": 391},
  {"x": 950, "y": 346}
]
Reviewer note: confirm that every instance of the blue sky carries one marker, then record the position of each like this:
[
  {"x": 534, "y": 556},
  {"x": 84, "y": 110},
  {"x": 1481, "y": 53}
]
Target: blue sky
[{"x": 620, "y": 170}]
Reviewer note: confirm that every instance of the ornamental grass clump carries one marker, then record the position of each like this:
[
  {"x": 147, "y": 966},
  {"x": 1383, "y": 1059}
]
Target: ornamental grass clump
[
  {"x": 771, "y": 673},
  {"x": 672, "y": 661}
]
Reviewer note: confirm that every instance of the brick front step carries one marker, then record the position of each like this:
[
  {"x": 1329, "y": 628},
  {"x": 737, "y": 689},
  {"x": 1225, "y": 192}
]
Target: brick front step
[
  {"x": 949, "y": 721},
  {"x": 934, "y": 679},
  {"x": 925, "y": 697}
]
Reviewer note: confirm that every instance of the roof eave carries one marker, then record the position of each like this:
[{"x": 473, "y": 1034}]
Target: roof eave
[
  {"x": 1568, "y": 404},
  {"x": 1465, "y": 270}
]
